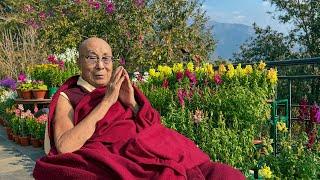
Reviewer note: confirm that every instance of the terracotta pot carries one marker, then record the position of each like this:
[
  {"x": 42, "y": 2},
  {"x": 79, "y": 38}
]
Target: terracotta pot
[
  {"x": 1, "y": 121},
  {"x": 16, "y": 138},
  {"x": 24, "y": 141},
  {"x": 39, "y": 94},
  {"x": 41, "y": 141},
  {"x": 35, "y": 142},
  {"x": 19, "y": 92},
  {"x": 27, "y": 94},
  {"x": 10, "y": 137},
  {"x": 9, "y": 131}
]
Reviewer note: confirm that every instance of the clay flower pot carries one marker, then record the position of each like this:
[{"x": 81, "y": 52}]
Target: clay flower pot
[
  {"x": 24, "y": 141},
  {"x": 16, "y": 138},
  {"x": 35, "y": 142},
  {"x": 39, "y": 94},
  {"x": 9, "y": 131},
  {"x": 27, "y": 94}
]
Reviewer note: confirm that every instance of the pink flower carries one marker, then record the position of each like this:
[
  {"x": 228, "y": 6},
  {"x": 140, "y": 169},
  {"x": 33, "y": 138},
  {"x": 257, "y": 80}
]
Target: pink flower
[
  {"x": 52, "y": 59},
  {"x": 217, "y": 79},
  {"x": 179, "y": 76},
  {"x": 109, "y": 7},
  {"x": 94, "y": 4},
  {"x": 22, "y": 77},
  {"x": 42, "y": 15},
  {"x": 28, "y": 8},
  {"x": 313, "y": 113},
  {"x": 318, "y": 116},
  {"x": 35, "y": 109},
  {"x": 192, "y": 77},
  {"x": 42, "y": 119},
  {"x": 122, "y": 61},
  {"x": 61, "y": 64},
  {"x": 165, "y": 83},
  {"x": 139, "y": 3},
  {"x": 303, "y": 109},
  {"x": 77, "y": 1},
  {"x": 181, "y": 96},
  {"x": 17, "y": 112}
]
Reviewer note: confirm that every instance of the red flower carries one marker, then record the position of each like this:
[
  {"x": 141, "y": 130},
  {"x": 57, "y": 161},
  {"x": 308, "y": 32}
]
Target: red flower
[
  {"x": 165, "y": 83},
  {"x": 179, "y": 76}
]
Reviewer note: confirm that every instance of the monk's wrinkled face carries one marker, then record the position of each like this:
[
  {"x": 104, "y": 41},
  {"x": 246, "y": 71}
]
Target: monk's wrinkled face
[{"x": 95, "y": 61}]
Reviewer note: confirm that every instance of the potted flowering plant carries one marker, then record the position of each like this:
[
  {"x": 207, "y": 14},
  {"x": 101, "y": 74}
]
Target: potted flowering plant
[
  {"x": 21, "y": 79},
  {"x": 26, "y": 88},
  {"x": 32, "y": 127},
  {"x": 41, "y": 127},
  {"x": 39, "y": 89}
]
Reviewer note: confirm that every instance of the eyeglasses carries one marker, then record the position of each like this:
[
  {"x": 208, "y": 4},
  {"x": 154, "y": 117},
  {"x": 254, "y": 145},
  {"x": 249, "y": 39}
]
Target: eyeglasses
[{"x": 94, "y": 59}]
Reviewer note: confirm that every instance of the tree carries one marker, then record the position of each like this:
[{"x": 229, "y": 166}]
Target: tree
[
  {"x": 305, "y": 17},
  {"x": 142, "y": 33},
  {"x": 267, "y": 45}
]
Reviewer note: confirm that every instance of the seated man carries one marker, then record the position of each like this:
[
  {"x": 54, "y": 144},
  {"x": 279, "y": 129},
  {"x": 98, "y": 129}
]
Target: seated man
[{"x": 102, "y": 127}]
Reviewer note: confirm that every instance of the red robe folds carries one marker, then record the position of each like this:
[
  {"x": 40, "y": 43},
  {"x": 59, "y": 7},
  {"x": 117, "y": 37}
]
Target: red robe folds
[{"x": 128, "y": 147}]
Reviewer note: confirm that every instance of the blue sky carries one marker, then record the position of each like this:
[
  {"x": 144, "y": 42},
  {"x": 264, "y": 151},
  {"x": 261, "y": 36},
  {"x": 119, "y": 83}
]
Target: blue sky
[{"x": 243, "y": 12}]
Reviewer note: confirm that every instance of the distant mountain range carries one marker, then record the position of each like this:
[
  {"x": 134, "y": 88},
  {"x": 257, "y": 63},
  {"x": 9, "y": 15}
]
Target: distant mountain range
[{"x": 229, "y": 37}]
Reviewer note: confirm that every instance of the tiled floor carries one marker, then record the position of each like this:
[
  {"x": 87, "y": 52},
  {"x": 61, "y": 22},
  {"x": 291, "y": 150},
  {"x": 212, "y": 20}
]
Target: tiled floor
[{"x": 16, "y": 162}]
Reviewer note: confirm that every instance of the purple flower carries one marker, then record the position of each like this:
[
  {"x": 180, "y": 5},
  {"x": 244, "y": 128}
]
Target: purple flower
[
  {"x": 22, "y": 77},
  {"x": 139, "y": 3},
  {"x": 122, "y": 61},
  {"x": 318, "y": 116},
  {"x": 94, "y": 4},
  {"x": 217, "y": 79},
  {"x": 313, "y": 113},
  {"x": 109, "y": 7},
  {"x": 8, "y": 83}
]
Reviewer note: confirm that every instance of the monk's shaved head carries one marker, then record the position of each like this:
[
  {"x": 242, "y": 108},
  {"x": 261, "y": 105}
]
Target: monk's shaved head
[{"x": 92, "y": 42}]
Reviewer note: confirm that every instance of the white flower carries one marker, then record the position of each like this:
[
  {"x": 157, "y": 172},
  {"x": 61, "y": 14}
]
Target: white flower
[{"x": 70, "y": 55}]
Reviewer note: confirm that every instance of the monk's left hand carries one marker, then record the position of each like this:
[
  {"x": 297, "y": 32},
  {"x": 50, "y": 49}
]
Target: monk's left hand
[{"x": 126, "y": 94}]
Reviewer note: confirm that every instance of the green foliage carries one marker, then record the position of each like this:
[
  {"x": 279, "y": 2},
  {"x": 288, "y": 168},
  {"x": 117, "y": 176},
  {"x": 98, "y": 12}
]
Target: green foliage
[
  {"x": 25, "y": 86},
  {"x": 222, "y": 112},
  {"x": 152, "y": 33},
  {"x": 15, "y": 123},
  {"x": 23, "y": 128}
]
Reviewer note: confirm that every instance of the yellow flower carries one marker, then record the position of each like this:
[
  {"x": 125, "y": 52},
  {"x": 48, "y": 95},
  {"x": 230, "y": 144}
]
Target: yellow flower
[
  {"x": 239, "y": 71},
  {"x": 152, "y": 72},
  {"x": 167, "y": 71},
  {"x": 248, "y": 69},
  {"x": 231, "y": 71},
  {"x": 262, "y": 65},
  {"x": 272, "y": 76},
  {"x": 190, "y": 66},
  {"x": 177, "y": 67},
  {"x": 281, "y": 127},
  {"x": 222, "y": 69},
  {"x": 266, "y": 172},
  {"x": 209, "y": 69}
]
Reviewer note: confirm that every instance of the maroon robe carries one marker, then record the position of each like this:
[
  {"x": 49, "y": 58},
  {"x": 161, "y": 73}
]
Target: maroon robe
[{"x": 125, "y": 146}]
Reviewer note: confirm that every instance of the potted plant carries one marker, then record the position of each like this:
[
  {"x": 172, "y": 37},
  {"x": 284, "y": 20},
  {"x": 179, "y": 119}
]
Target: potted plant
[
  {"x": 26, "y": 88},
  {"x": 39, "y": 89},
  {"x": 41, "y": 127},
  {"x": 15, "y": 129},
  {"x": 32, "y": 125},
  {"x": 23, "y": 131}
]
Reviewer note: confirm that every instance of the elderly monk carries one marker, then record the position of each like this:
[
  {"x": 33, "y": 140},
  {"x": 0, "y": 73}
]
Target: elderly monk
[{"x": 102, "y": 127}]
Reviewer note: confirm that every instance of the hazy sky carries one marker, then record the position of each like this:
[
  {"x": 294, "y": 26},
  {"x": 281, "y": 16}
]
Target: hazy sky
[{"x": 243, "y": 12}]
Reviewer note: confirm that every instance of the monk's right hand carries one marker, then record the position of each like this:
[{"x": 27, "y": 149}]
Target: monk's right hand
[{"x": 113, "y": 87}]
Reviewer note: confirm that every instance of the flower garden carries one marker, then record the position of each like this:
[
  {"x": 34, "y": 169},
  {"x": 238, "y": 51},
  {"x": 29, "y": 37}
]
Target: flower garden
[{"x": 226, "y": 109}]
